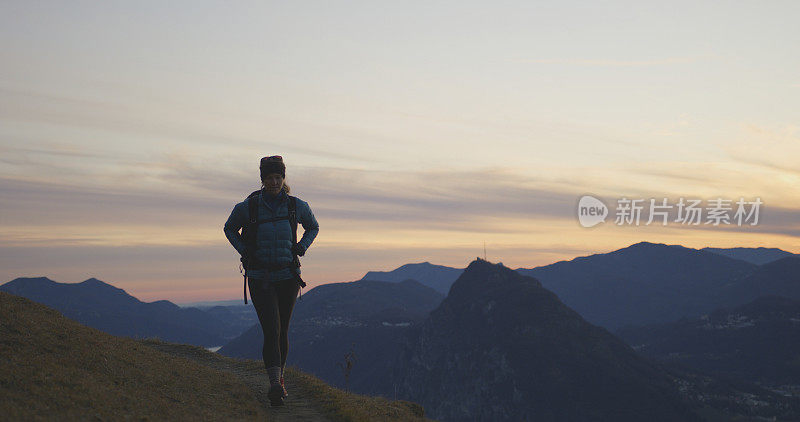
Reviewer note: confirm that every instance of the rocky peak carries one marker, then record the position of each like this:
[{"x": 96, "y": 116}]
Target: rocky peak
[
  {"x": 502, "y": 347},
  {"x": 483, "y": 279}
]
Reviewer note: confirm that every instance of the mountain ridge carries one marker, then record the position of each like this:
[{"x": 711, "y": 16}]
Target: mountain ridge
[
  {"x": 101, "y": 305},
  {"x": 642, "y": 283},
  {"x": 758, "y": 256},
  {"x": 438, "y": 277}
]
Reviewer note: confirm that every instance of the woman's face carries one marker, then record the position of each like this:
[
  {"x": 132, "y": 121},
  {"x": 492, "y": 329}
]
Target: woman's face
[{"x": 273, "y": 183}]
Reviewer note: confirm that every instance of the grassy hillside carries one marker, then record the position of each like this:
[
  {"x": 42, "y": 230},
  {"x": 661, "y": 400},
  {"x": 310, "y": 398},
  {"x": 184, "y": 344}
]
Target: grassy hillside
[{"x": 51, "y": 366}]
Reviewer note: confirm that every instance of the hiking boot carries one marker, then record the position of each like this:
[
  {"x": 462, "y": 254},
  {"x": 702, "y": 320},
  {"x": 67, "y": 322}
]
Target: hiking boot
[
  {"x": 275, "y": 395},
  {"x": 285, "y": 393}
]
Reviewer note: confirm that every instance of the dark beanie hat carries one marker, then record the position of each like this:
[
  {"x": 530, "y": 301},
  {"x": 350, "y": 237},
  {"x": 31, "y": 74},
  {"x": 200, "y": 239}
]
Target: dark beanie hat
[{"x": 273, "y": 164}]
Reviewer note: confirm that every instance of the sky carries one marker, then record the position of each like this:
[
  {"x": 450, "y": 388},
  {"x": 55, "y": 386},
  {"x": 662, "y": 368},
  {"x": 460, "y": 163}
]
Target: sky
[{"x": 416, "y": 131}]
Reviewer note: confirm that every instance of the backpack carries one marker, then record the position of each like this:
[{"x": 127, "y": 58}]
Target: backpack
[{"x": 250, "y": 234}]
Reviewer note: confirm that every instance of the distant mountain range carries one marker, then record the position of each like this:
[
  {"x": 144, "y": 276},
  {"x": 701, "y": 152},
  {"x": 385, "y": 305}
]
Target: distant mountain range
[
  {"x": 437, "y": 277},
  {"x": 210, "y": 303},
  {"x": 368, "y": 317},
  {"x": 758, "y": 256},
  {"x": 779, "y": 278},
  {"x": 644, "y": 283},
  {"x": 110, "y": 309}
]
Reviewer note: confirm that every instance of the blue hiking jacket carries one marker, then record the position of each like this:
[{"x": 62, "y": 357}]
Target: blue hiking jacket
[{"x": 274, "y": 241}]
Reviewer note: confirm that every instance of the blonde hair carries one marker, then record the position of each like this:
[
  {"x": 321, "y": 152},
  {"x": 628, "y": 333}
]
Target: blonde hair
[{"x": 285, "y": 187}]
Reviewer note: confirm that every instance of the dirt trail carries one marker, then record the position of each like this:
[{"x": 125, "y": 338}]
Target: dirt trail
[{"x": 298, "y": 407}]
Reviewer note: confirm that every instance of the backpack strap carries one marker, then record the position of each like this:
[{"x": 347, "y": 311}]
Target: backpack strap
[
  {"x": 293, "y": 220},
  {"x": 292, "y": 207},
  {"x": 250, "y": 234}
]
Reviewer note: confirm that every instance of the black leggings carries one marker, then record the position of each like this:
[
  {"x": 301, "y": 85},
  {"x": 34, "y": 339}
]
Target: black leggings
[{"x": 274, "y": 303}]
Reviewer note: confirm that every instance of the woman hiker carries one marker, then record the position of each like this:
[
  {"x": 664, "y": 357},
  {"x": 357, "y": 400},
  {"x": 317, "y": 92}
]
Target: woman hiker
[{"x": 269, "y": 253}]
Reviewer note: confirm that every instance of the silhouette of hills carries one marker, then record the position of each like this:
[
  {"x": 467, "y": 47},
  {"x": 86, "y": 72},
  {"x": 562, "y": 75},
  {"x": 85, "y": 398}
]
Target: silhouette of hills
[
  {"x": 758, "y": 256},
  {"x": 438, "y": 277},
  {"x": 110, "y": 309},
  {"x": 210, "y": 303},
  {"x": 777, "y": 278},
  {"x": 642, "y": 284}
]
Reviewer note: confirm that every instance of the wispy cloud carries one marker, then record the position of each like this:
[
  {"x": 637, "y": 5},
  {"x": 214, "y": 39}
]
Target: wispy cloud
[
  {"x": 194, "y": 197},
  {"x": 771, "y": 148},
  {"x": 186, "y": 194},
  {"x": 614, "y": 62},
  {"x": 149, "y": 122}
]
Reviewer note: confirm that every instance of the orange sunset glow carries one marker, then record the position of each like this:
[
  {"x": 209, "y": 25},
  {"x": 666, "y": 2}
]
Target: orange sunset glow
[{"x": 421, "y": 133}]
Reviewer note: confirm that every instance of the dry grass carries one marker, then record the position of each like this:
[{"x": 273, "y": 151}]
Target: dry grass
[
  {"x": 52, "y": 367},
  {"x": 343, "y": 406}
]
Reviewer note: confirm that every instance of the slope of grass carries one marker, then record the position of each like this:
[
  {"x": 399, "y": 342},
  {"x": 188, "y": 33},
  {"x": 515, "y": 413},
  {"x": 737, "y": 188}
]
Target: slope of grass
[
  {"x": 344, "y": 406},
  {"x": 53, "y": 367}
]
